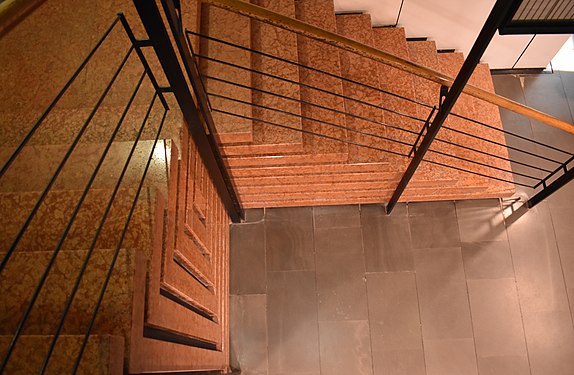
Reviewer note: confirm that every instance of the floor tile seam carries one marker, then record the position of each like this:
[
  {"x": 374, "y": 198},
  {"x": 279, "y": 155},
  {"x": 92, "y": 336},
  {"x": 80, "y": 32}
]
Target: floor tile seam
[
  {"x": 561, "y": 265},
  {"x": 501, "y": 207},
  {"x": 316, "y": 289},
  {"x": 366, "y": 287},
  {"x": 456, "y": 215},
  {"x": 407, "y": 208}
]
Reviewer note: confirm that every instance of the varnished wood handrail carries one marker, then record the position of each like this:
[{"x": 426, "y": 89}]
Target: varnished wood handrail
[
  {"x": 302, "y": 28},
  {"x": 14, "y": 11}
]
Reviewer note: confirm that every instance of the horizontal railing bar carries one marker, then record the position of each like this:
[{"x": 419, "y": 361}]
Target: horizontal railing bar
[
  {"x": 374, "y": 135},
  {"x": 308, "y": 86},
  {"x": 73, "y": 217},
  {"x": 118, "y": 247},
  {"x": 373, "y": 88},
  {"x": 347, "y": 44},
  {"x": 377, "y": 122},
  {"x": 373, "y": 105},
  {"x": 60, "y": 167},
  {"x": 49, "y": 187},
  {"x": 365, "y": 146},
  {"x": 55, "y": 101}
]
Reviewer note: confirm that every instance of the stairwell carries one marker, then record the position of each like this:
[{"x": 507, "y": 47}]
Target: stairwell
[
  {"x": 103, "y": 268},
  {"x": 276, "y": 167}
]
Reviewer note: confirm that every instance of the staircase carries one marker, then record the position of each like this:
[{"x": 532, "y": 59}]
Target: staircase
[
  {"x": 117, "y": 261},
  {"x": 277, "y": 167}
]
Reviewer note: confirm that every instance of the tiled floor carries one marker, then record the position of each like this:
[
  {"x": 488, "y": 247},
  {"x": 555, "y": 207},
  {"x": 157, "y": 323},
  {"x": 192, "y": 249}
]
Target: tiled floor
[{"x": 435, "y": 288}]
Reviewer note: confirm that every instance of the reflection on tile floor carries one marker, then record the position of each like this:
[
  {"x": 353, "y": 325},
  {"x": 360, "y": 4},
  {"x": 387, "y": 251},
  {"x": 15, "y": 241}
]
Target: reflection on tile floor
[{"x": 435, "y": 288}]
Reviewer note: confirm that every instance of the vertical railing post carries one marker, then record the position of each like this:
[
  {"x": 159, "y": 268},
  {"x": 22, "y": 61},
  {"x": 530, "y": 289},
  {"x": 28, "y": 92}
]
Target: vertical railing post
[{"x": 494, "y": 20}]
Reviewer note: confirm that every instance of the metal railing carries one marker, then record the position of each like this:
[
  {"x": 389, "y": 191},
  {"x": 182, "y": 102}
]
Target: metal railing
[{"x": 530, "y": 178}]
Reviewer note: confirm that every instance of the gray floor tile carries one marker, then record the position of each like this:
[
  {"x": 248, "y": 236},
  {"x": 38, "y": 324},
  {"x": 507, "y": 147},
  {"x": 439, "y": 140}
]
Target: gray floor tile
[
  {"x": 550, "y": 341},
  {"x": 248, "y": 333},
  {"x": 536, "y": 262},
  {"x": 562, "y": 220},
  {"x": 503, "y": 365},
  {"x": 253, "y": 215},
  {"x": 395, "y": 323},
  {"x": 496, "y": 318},
  {"x": 487, "y": 260},
  {"x": 336, "y": 216},
  {"x": 247, "y": 259},
  {"x": 442, "y": 292},
  {"x": 345, "y": 348},
  {"x": 289, "y": 239},
  {"x": 341, "y": 288},
  {"x": 394, "y": 310},
  {"x": 480, "y": 220},
  {"x": 292, "y": 323},
  {"x": 433, "y": 224},
  {"x": 450, "y": 357},
  {"x": 339, "y": 241},
  {"x": 387, "y": 241}
]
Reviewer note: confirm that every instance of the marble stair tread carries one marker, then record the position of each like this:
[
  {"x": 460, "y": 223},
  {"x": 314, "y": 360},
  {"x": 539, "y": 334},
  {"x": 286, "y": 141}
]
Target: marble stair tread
[
  {"x": 44, "y": 159},
  {"x": 361, "y": 69},
  {"x": 115, "y": 313},
  {"x": 238, "y": 138},
  {"x": 104, "y": 354},
  {"x": 312, "y": 53},
  {"x": 283, "y": 44},
  {"x": 47, "y": 226},
  {"x": 62, "y": 125},
  {"x": 237, "y": 30},
  {"x": 262, "y": 149},
  {"x": 284, "y": 160},
  {"x": 361, "y": 197}
]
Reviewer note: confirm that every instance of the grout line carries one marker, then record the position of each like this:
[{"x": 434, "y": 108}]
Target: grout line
[
  {"x": 316, "y": 288},
  {"x": 560, "y": 261},
  {"x": 516, "y": 287},
  {"x": 416, "y": 289},
  {"x": 366, "y": 290},
  {"x": 466, "y": 284}
]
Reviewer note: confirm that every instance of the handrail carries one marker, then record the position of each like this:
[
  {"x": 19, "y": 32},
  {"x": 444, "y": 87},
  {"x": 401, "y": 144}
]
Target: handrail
[
  {"x": 305, "y": 29},
  {"x": 14, "y": 11}
]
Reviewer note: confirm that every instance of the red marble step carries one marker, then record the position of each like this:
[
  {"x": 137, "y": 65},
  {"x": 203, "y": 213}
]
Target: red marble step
[
  {"x": 359, "y": 197},
  {"x": 320, "y": 13},
  {"x": 302, "y": 170},
  {"x": 262, "y": 149},
  {"x": 360, "y": 69},
  {"x": 115, "y": 313},
  {"x": 283, "y": 44},
  {"x": 285, "y": 160},
  {"x": 103, "y": 355},
  {"x": 234, "y": 138},
  {"x": 46, "y": 228},
  {"x": 237, "y": 30}
]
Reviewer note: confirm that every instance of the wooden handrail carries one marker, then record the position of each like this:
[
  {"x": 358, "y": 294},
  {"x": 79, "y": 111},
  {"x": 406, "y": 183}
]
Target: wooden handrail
[
  {"x": 302, "y": 28},
  {"x": 14, "y": 11}
]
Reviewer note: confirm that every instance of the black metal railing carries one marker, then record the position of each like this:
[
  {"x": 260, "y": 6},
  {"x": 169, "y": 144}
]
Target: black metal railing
[{"x": 538, "y": 165}]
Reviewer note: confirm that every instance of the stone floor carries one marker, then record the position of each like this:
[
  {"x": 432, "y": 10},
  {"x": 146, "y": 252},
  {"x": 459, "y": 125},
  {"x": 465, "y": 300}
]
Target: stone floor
[{"x": 466, "y": 287}]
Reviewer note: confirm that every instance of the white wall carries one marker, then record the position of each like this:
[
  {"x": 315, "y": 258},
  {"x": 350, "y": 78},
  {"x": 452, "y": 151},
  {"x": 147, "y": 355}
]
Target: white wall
[{"x": 456, "y": 24}]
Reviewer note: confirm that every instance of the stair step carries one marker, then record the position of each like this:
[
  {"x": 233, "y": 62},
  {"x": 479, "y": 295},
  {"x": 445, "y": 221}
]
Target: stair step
[
  {"x": 265, "y": 149},
  {"x": 283, "y": 44},
  {"x": 44, "y": 159},
  {"x": 115, "y": 313},
  {"x": 320, "y": 13},
  {"x": 62, "y": 125},
  {"x": 104, "y": 354},
  {"x": 358, "y": 68},
  {"x": 237, "y": 30},
  {"x": 47, "y": 226},
  {"x": 284, "y": 160}
]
